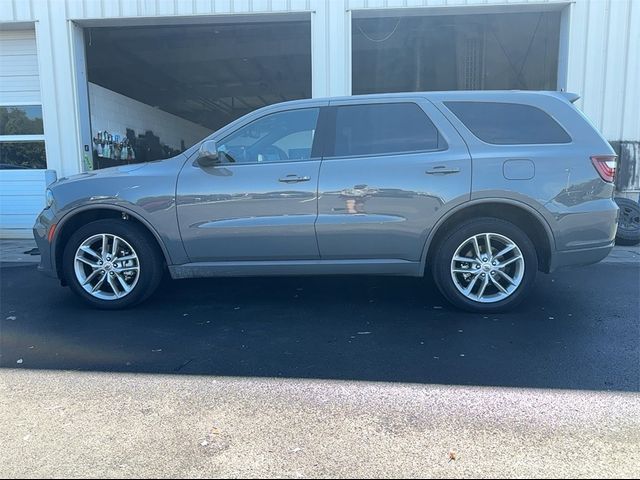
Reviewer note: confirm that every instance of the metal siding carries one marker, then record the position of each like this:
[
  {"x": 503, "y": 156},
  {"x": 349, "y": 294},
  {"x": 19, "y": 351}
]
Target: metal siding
[
  {"x": 22, "y": 11},
  {"x": 595, "y": 61},
  {"x": 613, "y": 68},
  {"x": 631, "y": 112},
  {"x": 379, "y": 4},
  {"x": 58, "y": 105},
  {"x": 603, "y": 65},
  {"x": 92, "y": 9}
]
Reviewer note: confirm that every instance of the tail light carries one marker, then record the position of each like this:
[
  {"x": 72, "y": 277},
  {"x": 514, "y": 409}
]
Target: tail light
[{"x": 606, "y": 166}]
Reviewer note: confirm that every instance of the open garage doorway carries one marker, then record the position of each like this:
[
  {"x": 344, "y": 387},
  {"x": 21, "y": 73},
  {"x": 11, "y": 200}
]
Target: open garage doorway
[
  {"x": 155, "y": 90},
  {"x": 498, "y": 51}
]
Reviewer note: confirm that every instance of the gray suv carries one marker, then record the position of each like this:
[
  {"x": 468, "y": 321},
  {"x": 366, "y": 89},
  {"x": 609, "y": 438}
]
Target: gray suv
[{"x": 480, "y": 189}]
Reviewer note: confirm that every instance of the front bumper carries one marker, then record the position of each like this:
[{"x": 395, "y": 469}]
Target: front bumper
[{"x": 40, "y": 234}]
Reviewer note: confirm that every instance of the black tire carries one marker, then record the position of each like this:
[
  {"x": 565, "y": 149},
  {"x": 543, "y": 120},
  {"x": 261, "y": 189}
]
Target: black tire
[
  {"x": 445, "y": 250},
  {"x": 149, "y": 257},
  {"x": 628, "y": 232}
]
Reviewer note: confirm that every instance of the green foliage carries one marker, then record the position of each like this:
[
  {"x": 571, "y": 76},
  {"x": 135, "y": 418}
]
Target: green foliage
[
  {"x": 16, "y": 121},
  {"x": 22, "y": 155}
]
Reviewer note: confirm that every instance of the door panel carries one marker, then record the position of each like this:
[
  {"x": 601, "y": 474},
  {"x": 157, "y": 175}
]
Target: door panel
[
  {"x": 243, "y": 212},
  {"x": 259, "y": 202},
  {"x": 383, "y": 206}
]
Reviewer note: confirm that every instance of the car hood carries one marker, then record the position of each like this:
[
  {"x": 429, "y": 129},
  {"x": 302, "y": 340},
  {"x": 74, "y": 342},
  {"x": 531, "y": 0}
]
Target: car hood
[
  {"x": 103, "y": 173},
  {"x": 131, "y": 186}
]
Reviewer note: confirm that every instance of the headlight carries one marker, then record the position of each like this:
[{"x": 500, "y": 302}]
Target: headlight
[{"x": 49, "y": 198}]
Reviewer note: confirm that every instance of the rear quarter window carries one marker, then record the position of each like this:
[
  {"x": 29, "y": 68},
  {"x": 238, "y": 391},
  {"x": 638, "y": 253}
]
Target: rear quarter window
[{"x": 509, "y": 123}]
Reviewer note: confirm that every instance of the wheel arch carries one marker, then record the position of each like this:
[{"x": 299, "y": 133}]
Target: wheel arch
[
  {"x": 82, "y": 215},
  {"x": 518, "y": 213}
]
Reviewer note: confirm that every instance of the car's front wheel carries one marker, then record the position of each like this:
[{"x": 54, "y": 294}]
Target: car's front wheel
[
  {"x": 485, "y": 265},
  {"x": 112, "y": 263}
]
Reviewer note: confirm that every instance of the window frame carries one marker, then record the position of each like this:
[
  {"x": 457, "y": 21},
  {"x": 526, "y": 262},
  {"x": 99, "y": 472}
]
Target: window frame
[
  {"x": 330, "y": 130},
  {"x": 29, "y": 138}
]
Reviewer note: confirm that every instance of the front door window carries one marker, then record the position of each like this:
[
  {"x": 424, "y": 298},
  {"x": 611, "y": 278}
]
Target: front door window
[{"x": 279, "y": 137}]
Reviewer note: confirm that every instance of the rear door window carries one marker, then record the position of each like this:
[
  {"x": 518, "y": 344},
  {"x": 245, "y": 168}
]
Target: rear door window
[
  {"x": 509, "y": 123},
  {"x": 383, "y": 128}
]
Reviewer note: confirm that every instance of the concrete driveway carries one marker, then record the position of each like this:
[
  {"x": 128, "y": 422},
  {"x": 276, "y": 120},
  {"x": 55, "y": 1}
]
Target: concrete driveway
[{"x": 312, "y": 377}]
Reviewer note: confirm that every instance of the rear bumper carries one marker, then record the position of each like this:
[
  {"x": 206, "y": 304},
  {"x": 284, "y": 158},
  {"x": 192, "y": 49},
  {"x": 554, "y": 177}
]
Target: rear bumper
[
  {"x": 579, "y": 257},
  {"x": 584, "y": 234},
  {"x": 40, "y": 232}
]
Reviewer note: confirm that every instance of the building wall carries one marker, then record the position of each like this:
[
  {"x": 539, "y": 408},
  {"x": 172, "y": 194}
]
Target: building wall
[
  {"x": 115, "y": 113},
  {"x": 604, "y": 65}
]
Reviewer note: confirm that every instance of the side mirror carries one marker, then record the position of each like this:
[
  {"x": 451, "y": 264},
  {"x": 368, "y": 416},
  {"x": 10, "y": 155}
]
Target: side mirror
[{"x": 208, "y": 154}]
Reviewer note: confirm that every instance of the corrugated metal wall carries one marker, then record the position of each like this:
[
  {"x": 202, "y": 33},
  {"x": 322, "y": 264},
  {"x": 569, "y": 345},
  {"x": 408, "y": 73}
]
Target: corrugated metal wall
[
  {"x": 604, "y": 64},
  {"x": 26, "y": 10}
]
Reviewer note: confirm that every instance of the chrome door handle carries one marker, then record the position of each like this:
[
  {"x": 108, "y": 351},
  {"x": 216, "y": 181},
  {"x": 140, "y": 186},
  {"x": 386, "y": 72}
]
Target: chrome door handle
[
  {"x": 442, "y": 170},
  {"x": 294, "y": 179}
]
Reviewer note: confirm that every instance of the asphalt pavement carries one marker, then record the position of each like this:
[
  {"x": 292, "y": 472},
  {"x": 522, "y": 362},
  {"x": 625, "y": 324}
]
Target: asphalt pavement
[
  {"x": 322, "y": 376},
  {"x": 578, "y": 330}
]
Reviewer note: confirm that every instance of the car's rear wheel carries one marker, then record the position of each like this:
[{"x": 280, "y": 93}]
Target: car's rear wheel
[
  {"x": 485, "y": 265},
  {"x": 112, "y": 264}
]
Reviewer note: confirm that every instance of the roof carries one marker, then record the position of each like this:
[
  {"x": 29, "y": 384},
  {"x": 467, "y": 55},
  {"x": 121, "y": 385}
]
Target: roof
[{"x": 453, "y": 95}]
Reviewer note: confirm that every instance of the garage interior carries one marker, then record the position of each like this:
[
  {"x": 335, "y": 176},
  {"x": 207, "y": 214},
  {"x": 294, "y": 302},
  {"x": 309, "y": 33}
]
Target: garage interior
[
  {"x": 196, "y": 77},
  {"x": 500, "y": 51}
]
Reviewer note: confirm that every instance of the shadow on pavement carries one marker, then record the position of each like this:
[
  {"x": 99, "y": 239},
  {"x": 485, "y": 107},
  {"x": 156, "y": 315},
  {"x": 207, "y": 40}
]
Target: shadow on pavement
[{"x": 576, "y": 331}]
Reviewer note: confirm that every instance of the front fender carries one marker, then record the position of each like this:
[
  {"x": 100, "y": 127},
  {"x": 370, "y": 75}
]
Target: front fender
[{"x": 168, "y": 254}]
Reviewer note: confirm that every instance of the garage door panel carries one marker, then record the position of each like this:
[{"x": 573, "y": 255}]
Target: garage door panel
[
  {"x": 10, "y": 221},
  {"x": 11, "y": 65},
  {"x": 21, "y": 188},
  {"x": 22, "y": 192},
  {"x": 19, "y": 75},
  {"x": 18, "y": 46},
  {"x": 22, "y": 205},
  {"x": 10, "y": 176},
  {"x": 9, "y": 98},
  {"x": 20, "y": 83}
]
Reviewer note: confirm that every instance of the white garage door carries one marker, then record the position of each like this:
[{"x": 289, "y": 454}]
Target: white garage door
[{"x": 22, "y": 153}]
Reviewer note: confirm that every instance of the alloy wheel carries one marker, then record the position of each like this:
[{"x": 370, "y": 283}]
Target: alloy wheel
[
  {"x": 106, "y": 266},
  {"x": 487, "y": 267}
]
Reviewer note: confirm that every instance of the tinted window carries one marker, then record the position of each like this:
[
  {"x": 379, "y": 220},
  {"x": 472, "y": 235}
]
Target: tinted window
[
  {"x": 279, "y": 137},
  {"x": 383, "y": 128},
  {"x": 508, "y": 123}
]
